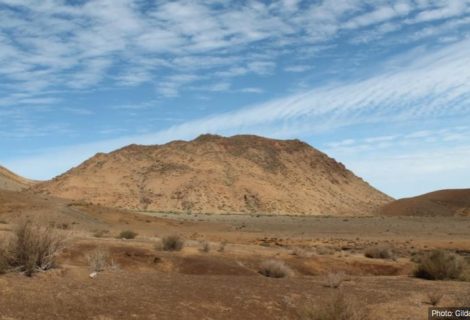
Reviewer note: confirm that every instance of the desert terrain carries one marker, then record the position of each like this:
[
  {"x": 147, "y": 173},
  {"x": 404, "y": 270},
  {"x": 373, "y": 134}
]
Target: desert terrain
[
  {"x": 11, "y": 181},
  {"x": 118, "y": 262},
  {"x": 215, "y": 174}
]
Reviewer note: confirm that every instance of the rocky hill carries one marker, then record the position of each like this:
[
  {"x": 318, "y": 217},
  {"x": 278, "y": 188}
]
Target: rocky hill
[
  {"x": 214, "y": 174},
  {"x": 12, "y": 182},
  {"x": 439, "y": 203}
]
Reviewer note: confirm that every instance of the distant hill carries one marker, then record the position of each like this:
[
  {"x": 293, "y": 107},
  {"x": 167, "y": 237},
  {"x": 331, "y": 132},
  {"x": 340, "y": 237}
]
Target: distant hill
[
  {"x": 439, "y": 203},
  {"x": 214, "y": 174},
  {"x": 12, "y": 182}
]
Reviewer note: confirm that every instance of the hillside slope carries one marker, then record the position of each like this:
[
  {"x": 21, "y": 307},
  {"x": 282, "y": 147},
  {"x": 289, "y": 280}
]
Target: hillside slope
[
  {"x": 12, "y": 182},
  {"x": 214, "y": 174},
  {"x": 439, "y": 203}
]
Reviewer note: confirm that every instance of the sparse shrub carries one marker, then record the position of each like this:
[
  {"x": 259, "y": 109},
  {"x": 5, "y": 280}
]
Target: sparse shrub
[
  {"x": 32, "y": 248},
  {"x": 379, "y": 252},
  {"x": 127, "y": 234},
  {"x": 325, "y": 251},
  {"x": 434, "y": 297},
  {"x": 440, "y": 265},
  {"x": 205, "y": 247},
  {"x": 100, "y": 233},
  {"x": 63, "y": 226},
  {"x": 4, "y": 255},
  {"x": 338, "y": 307},
  {"x": 275, "y": 269},
  {"x": 301, "y": 253},
  {"x": 98, "y": 260},
  {"x": 222, "y": 246},
  {"x": 172, "y": 243},
  {"x": 335, "y": 279}
]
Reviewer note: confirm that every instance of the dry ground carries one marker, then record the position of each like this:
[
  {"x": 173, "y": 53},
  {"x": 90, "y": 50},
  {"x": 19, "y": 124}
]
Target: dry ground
[{"x": 144, "y": 283}]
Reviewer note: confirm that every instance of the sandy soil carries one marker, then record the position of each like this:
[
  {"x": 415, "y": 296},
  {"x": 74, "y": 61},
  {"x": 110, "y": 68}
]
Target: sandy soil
[{"x": 144, "y": 283}]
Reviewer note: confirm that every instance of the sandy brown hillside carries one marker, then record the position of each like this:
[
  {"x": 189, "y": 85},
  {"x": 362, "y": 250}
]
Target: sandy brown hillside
[
  {"x": 218, "y": 175},
  {"x": 438, "y": 203},
  {"x": 12, "y": 182}
]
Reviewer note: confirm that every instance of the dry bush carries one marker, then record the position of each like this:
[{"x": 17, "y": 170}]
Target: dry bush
[
  {"x": 98, "y": 260},
  {"x": 100, "y": 233},
  {"x": 127, "y": 234},
  {"x": 379, "y": 252},
  {"x": 222, "y": 246},
  {"x": 33, "y": 248},
  {"x": 440, "y": 265},
  {"x": 63, "y": 226},
  {"x": 275, "y": 269},
  {"x": 325, "y": 251},
  {"x": 172, "y": 243},
  {"x": 301, "y": 253},
  {"x": 434, "y": 297},
  {"x": 338, "y": 307},
  {"x": 5, "y": 257},
  {"x": 335, "y": 279},
  {"x": 205, "y": 247}
]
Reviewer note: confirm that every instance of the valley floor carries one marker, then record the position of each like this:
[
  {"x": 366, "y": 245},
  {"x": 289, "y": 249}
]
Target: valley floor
[{"x": 222, "y": 282}]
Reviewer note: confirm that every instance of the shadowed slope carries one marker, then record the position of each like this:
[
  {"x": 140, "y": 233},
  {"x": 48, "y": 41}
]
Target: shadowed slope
[{"x": 438, "y": 203}]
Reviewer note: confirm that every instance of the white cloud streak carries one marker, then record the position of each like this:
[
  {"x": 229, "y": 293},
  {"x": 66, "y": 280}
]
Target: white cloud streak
[
  {"x": 52, "y": 44},
  {"x": 430, "y": 86}
]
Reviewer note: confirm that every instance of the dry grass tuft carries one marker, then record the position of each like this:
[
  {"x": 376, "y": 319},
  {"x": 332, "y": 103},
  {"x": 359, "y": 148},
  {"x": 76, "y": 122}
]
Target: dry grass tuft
[
  {"x": 434, "y": 297},
  {"x": 335, "y": 279},
  {"x": 325, "y": 250},
  {"x": 172, "y": 243},
  {"x": 100, "y": 233},
  {"x": 440, "y": 265},
  {"x": 301, "y": 253},
  {"x": 127, "y": 234},
  {"x": 205, "y": 247},
  {"x": 275, "y": 269},
  {"x": 380, "y": 252},
  {"x": 98, "y": 260},
  {"x": 32, "y": 248},
  {"x": 4, "y": 255},
  {"x": 222, "y": 246},
  {"x": 338, "y": 307}
]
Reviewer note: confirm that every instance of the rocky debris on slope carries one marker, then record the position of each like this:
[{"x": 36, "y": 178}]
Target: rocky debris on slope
[{"x": 214, "y": 174}]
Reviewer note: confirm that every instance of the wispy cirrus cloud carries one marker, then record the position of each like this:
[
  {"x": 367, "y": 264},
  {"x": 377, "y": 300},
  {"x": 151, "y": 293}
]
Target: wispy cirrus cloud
[
  {"x": 284, "y": 68},
  {"x": 426, "y": 87},
  {"x": 55, "y": 44}
]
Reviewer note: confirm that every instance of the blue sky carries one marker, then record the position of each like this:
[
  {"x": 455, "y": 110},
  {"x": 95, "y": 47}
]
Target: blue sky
[{"x": 382, "y": 86}]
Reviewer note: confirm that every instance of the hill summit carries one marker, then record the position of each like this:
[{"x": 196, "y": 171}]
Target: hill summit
[
  {"x": 215, "y": 174},
  {"x": 444, "y": 203}
]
